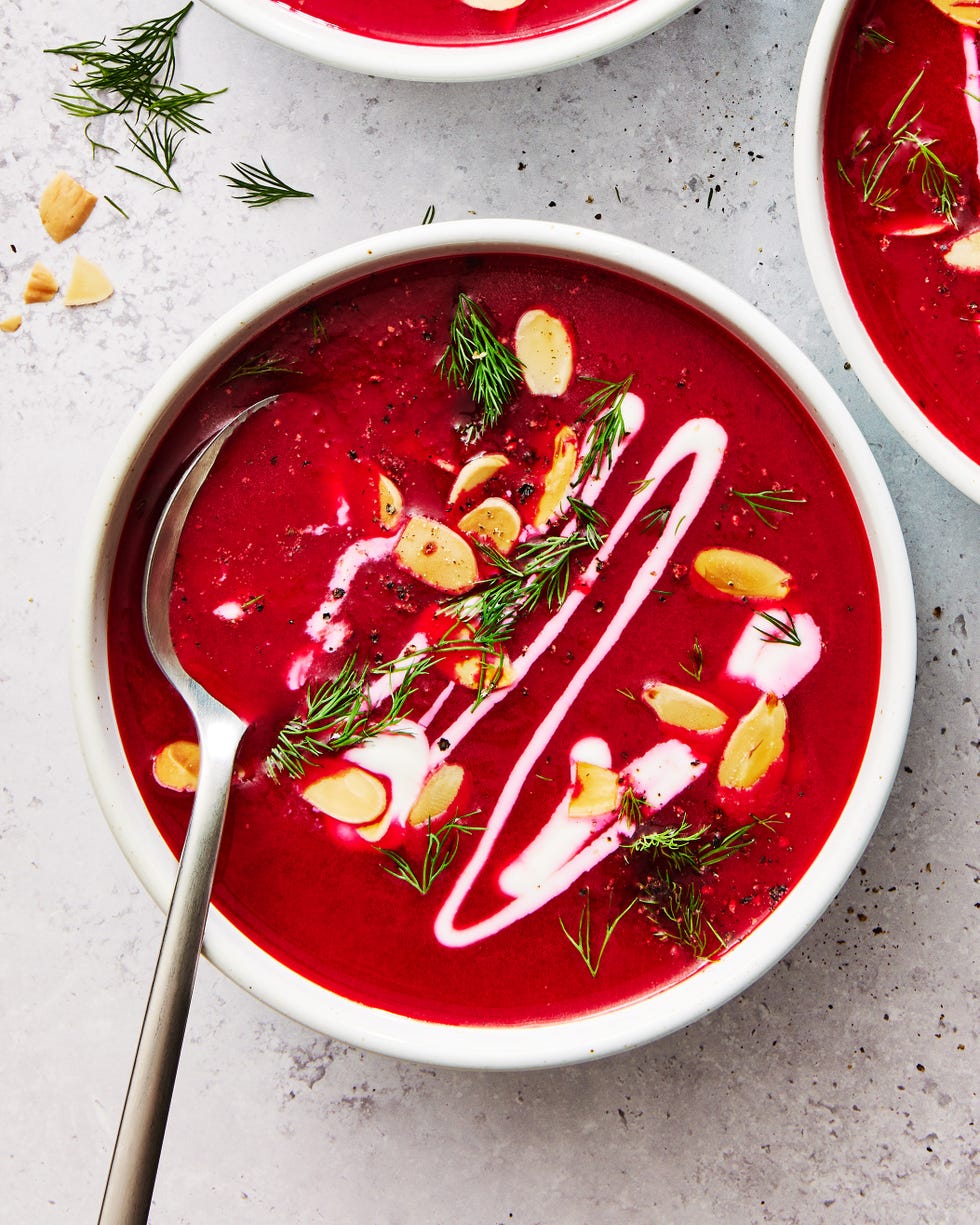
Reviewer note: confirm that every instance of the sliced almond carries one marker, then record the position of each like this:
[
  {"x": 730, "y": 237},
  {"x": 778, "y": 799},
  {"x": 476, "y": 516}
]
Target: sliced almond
[
  {"x": 742, "y": 575},
  {"x": 485, "y": 673},
  {"x": 966, "y": 12},
  {"x": 964, "y": 253},
  {"x": 559, "y": 479},
  {"x": 177, "y": 765},
  {"x": 88, "y": 284},
  {"x": 374, "y": 831},
  {"x": 475, "y": 472},
  {"x": 596, "y": 791},
  {"x": 352, "y": 795},
  {"x": 437, "y": 555},
  {"x": 389, "y": 502},
  {"x": 440, "y": 789},
  {"x": 683, "y": 709},
  {"x": 41, "y": 285},
  {"x": 11, "y": 323},
  {"x": 544, "y": 348},
  {"x": 755, "y": 745},
  {"x": 65, "y": 206},
  {"x": 495, "y": 521},
  {"x": 494, "y": 6}
]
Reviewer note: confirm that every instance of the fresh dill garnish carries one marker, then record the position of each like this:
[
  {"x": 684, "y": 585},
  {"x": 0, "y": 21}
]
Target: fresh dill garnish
[
  {"x": 608, "y": 427},
  {"x": 872, "y": 37},
  {"x": 582, "y": 940},
  {"x": 767, "y": 502},
  {"x": 429, "y": 215},
  {"x": 264, "y": 363},
  {"x": 678, "y": 911},
  {"x": 781, "y": 631},
  {"x": 118, "y": 208},
  {"x": 477, "y": 361},
  {"x": 903, "y": 140},
  {"x": 252, "y": 601},
  {"x": 633, "y": 807},
  {"x": 655, "y": 518},
  {"x": 686, "y": 848},
  {"x": 628, "y": 693},
  {"x": 589, "y": 521},
  {"x": 260, "y": 187},
  {"x": 441, "y": 848},
  {"x": 339, "y": 716},
  {"x": 696, "y": 658},
  {"x": 540, "y": 570},
  {"x": 490, "y": 661},
  {"x": 133, "y": 76},
  {"x": 317, "y": 327}
]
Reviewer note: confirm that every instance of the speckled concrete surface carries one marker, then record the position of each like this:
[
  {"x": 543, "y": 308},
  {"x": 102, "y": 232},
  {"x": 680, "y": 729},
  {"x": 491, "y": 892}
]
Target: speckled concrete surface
[{"x": 842, "y": 1087}]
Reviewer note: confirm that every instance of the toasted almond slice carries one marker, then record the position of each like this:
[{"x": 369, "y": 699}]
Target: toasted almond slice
[
  {"x": 437, "y": 555},
  {"x": 756, "y": 744},
  {"x": 596, "y": 791},
  {"x": 65, "y": 206},
  {"x": 177, "y": 765},
  {"x": 439, "y": 791},
  {"x": 966, "y": 12},
  {"x": 544, "y": 348},
  {"x": 11, "y": 323},
  {"x": 559, "y": 478},
  {"x": 497, "y": 671},
  {"x": 494, "y": 6},
  {"x": 494, "y": 521},
  {"x": 88, "y": 284},
  {"x": 352, "y": 795},
  {"x": 41, "y": 285},
  {"x": 964, "y": 253},
  {"x": 475, "y": 472},
  {"x": 683, "y": 709},
  {"x": 389, "y": 502},
  {"x": 742, "y": 575},
  {"x": 374, "y": 831}
]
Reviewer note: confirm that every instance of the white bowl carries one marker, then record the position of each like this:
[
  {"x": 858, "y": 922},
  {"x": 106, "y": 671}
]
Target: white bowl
[
  {"x": 466, "y": 62},
  {"x": 536, "y": 1045},
  {"x": 890, "y": 396}
]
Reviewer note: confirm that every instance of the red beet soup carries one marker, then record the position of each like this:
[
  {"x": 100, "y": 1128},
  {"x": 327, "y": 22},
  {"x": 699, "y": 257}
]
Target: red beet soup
[
  {"x": 902, "y": 160},
  {"x": 455, "y": 22},
  {"x": 555, "y": 623}
]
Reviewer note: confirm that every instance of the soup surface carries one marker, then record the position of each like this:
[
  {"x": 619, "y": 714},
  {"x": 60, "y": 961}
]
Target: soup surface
[
  {"x": 456, "y": 22},
  {"x": 553, "y": 697},
  {"x": 902, "y": 159}
]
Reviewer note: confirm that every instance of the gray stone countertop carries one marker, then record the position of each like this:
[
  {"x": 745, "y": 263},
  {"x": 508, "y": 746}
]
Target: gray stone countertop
[{"x": 839, "y": 1088}]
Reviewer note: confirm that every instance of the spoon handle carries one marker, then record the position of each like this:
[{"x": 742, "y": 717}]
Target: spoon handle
[{"x": 132, "y": 1172}]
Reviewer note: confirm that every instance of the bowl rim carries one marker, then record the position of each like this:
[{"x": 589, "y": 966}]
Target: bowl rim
[
  {"x": 852, "y": 335},
  {"x": 550, "y": 1043},
  {"x": 313, "y": 37}
]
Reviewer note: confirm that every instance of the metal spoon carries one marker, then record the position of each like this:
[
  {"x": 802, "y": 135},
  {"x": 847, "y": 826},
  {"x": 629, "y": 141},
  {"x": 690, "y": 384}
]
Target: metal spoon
[{"x": 132, "y": 1172}]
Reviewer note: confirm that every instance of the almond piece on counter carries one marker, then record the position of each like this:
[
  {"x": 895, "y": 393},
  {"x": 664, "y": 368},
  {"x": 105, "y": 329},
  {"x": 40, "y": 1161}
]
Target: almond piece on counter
[
  {"x": 177, "y": 765},
  {"x": 475, "y": 472},
  {"x": 559, "y": 479},
  {"x": 756, "y": 744},
  {"x": 11, "y": 323},
  {"x": 41, "y": 285},
  {"x": 494, "y": 521},
  {"x": 65, "y": 206},
  {"x": 683, "y": 709},
  {"x": 544, "y": 348},
  {"x": 352, "y": 795},
  {"x": 88, "y": 284},
  {"x": 437, "y": 555},
  {"x": 440, "y": 789},
  {"x": 389, "y": 502},
  {"x": 964, "y": 253},
  {"x": 742, "y": 575},
  {"x": 596, "y": 791}
]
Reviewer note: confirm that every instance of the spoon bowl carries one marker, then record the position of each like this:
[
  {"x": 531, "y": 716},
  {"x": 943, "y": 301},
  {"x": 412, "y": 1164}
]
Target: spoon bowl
[{"x": 132, "y": 1172}]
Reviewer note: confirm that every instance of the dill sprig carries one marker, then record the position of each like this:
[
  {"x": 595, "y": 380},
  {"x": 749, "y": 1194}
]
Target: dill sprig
[
  {"x": 633, "y": 807},
  {"x": 582, "y": 940},
  {"x": 339, "y": 716},
  {"x": 872, "y": 37},
  {"x": 441, "y": 848},
  {"x": 655, "y": 518},
  {"x": 686, "y": 848},
  {"x": 589, "y": 521},
  {"x": 477, "y": 361},
  {"x": 263, "y": 363},
  {"x": 158, "y": 143},
  {"x": 678, "y": 911},
  {"x": 765, "y": 502},
  {"x": 429, "y": 215},
  {"x": 608, "y": 427},
  {"x": 781, "y": 631},
  {"x": 696, "y": 658},
  {"x": 261, "y": 187}
]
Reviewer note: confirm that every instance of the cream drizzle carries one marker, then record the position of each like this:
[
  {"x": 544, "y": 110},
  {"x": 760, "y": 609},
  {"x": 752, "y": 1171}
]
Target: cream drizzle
[
  {"x": 775, "y": 667},
  {"x": 702, "y": 440},
  {"x": 321, "y": 626}
]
